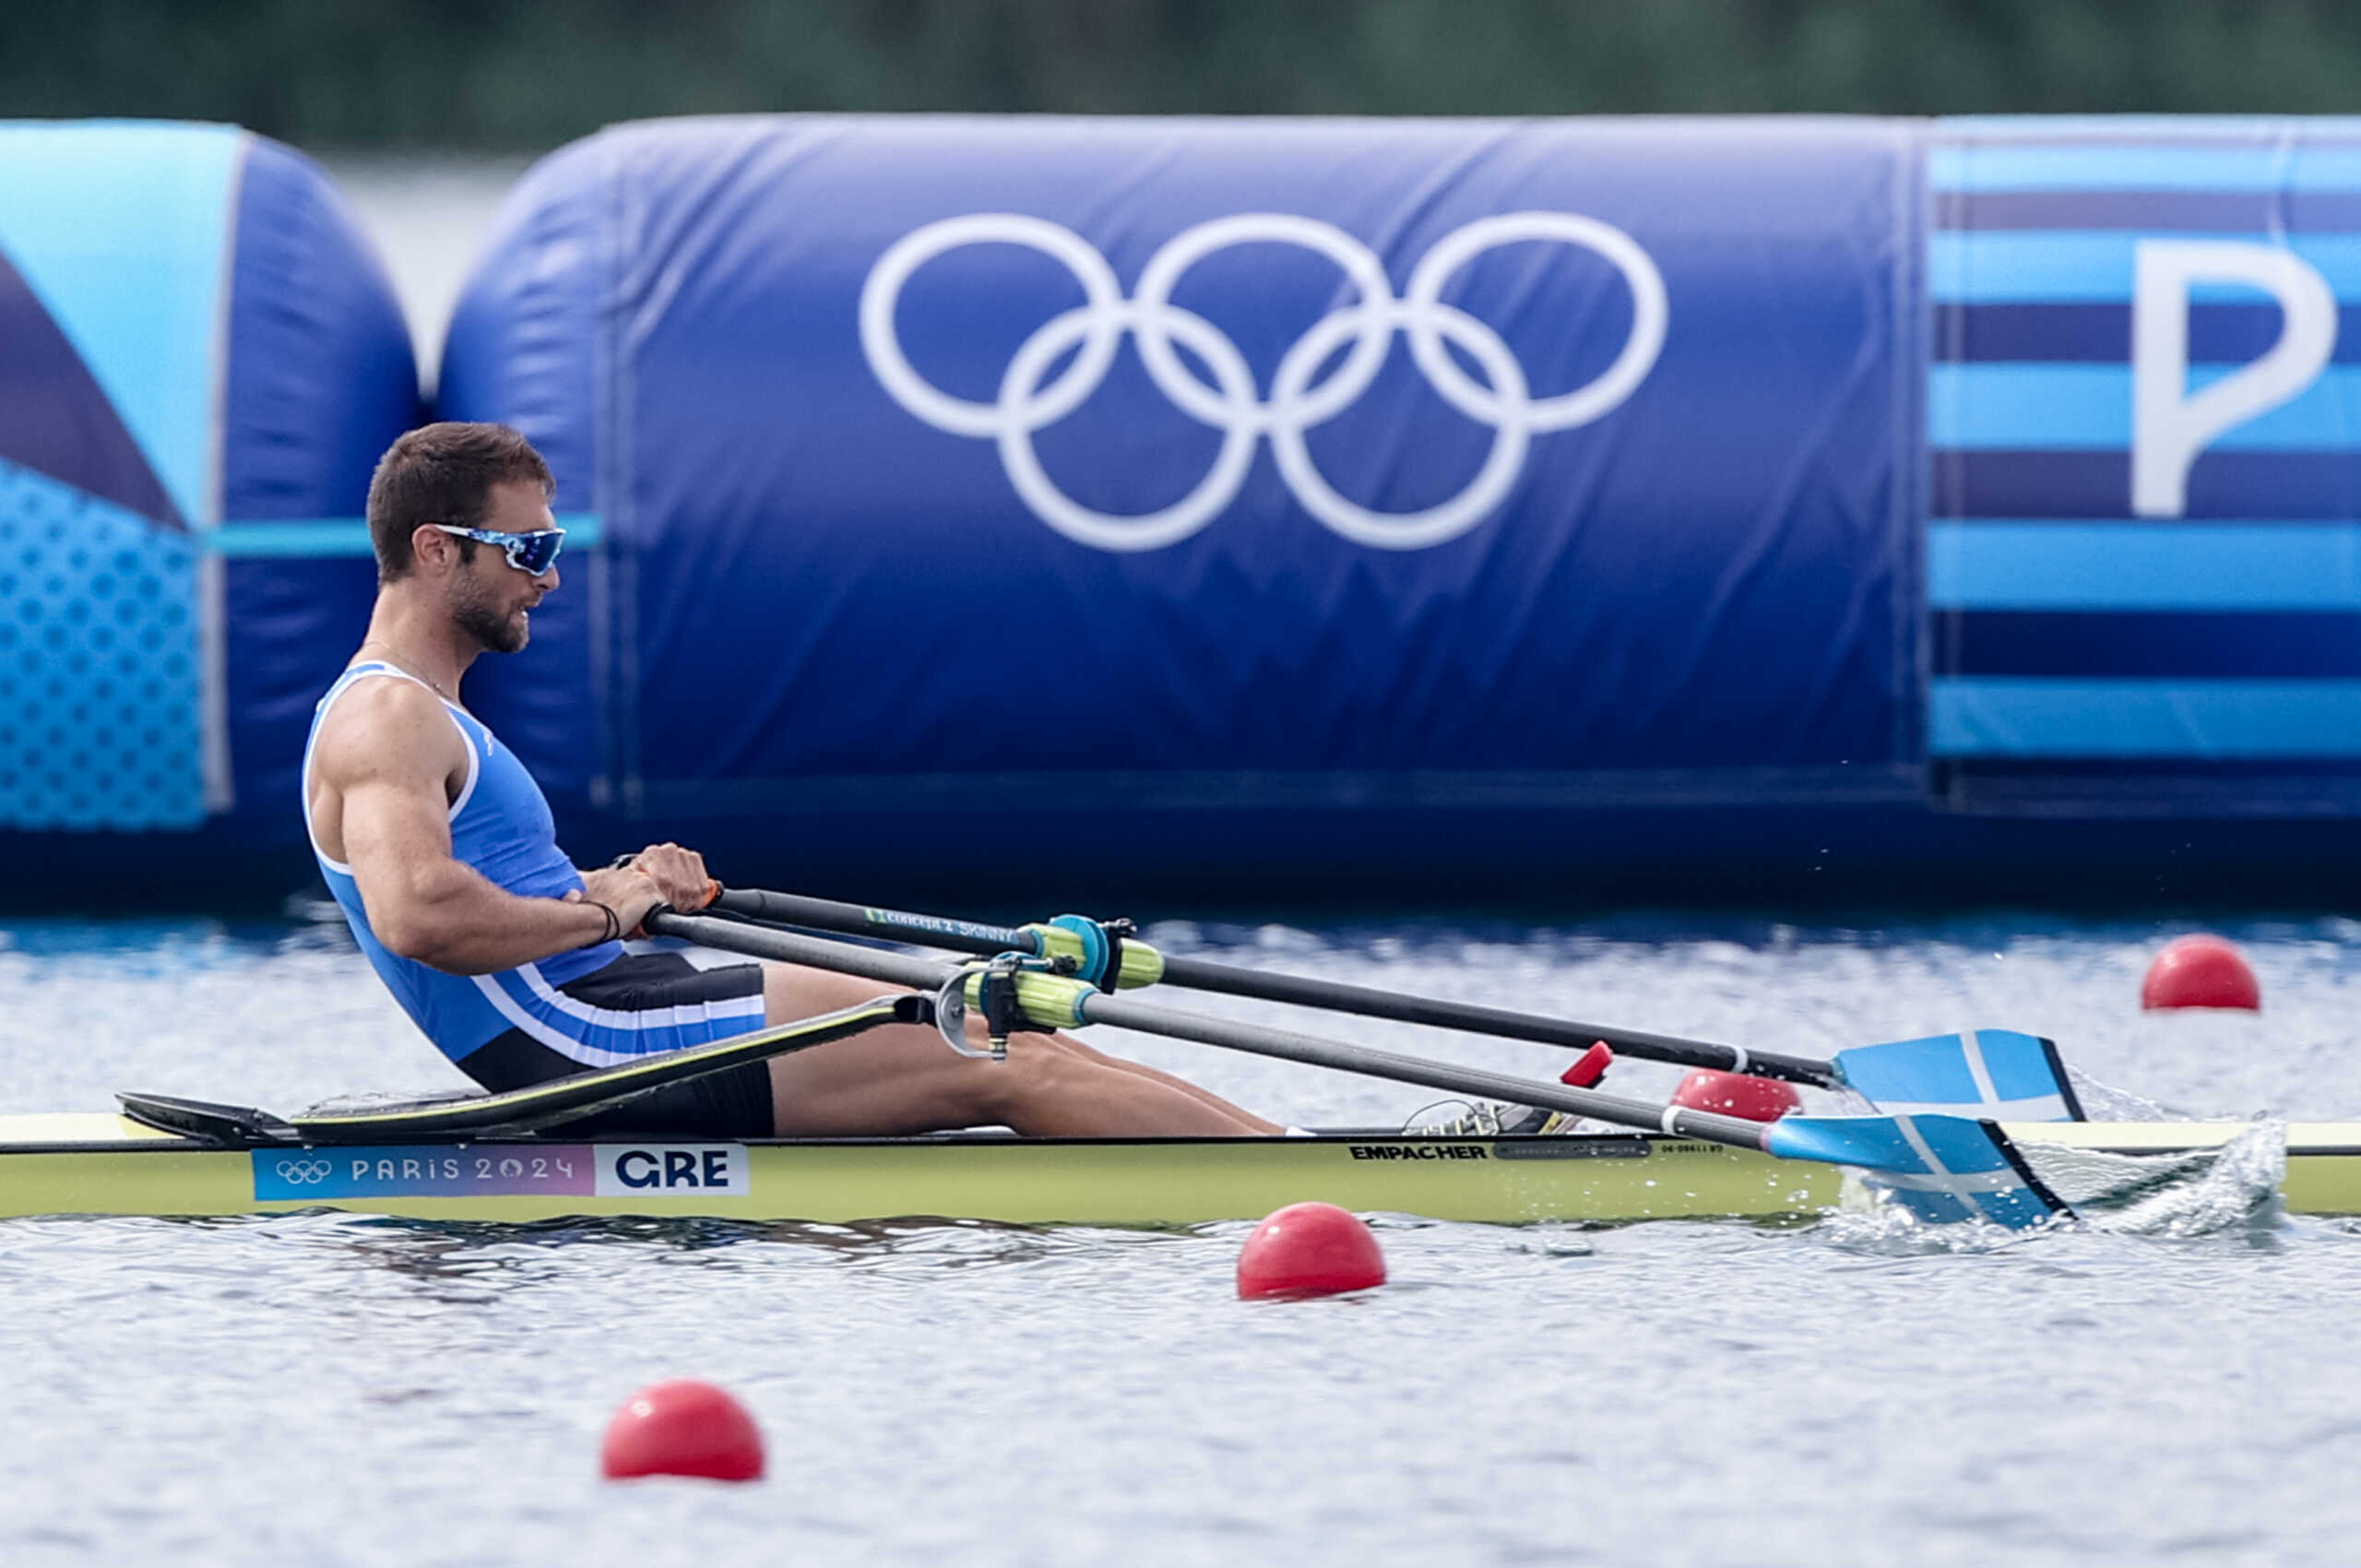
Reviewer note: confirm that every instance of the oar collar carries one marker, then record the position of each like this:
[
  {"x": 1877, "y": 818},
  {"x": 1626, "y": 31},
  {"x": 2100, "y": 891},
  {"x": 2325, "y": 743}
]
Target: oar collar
[{"x": 1107, "y": 954}]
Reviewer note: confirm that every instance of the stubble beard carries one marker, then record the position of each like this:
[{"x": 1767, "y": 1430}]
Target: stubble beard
[{"x": 473, "y": 613}]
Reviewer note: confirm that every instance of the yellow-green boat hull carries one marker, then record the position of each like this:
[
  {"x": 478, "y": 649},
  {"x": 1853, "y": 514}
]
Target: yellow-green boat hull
[{"x": 106, "y": 1165}]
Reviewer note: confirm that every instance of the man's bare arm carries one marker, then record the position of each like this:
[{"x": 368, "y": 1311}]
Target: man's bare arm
[{"x": 387, "y": 760}]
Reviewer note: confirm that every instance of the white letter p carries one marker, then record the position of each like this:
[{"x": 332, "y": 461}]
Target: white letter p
[{"x": 2170, "y": 425}]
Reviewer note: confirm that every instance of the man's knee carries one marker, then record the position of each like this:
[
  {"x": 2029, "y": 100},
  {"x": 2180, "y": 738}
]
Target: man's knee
[{"x": 1038, "y": 1071}]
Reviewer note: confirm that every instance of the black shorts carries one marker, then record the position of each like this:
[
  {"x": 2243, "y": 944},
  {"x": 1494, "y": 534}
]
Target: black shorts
[{"x": 732, "y": 1103}]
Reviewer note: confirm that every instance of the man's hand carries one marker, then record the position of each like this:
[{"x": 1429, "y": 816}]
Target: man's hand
[
  {"x": 627, "y": 890},
  {"x": 680, "y": 873}
]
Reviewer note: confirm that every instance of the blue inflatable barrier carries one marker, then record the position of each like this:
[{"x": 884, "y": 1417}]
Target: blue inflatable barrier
[
  {"x": 2144, "y": 430},
  {"x": 993, "y": 505},
  {"x": 194, "y": 345},
  {"x": 1262, "y": 468},
  {"x": 1487, "y": 499}
]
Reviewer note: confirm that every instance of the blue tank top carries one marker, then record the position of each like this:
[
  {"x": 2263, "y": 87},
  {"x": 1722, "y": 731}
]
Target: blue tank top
[{"x": 500, "y": 826}]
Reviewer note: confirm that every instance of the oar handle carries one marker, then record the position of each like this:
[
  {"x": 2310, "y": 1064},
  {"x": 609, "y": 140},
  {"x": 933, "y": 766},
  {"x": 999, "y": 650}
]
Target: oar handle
[
  {"x": 1201, "y": 974},
  {"x": 1098, "y": 1007}
]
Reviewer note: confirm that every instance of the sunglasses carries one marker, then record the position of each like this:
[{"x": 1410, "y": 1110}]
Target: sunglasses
[{"x": 532, "y": 553}]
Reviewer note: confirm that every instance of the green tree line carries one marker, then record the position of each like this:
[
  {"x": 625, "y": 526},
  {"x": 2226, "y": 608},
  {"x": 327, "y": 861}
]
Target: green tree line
[{"x": 524, "y": 73}]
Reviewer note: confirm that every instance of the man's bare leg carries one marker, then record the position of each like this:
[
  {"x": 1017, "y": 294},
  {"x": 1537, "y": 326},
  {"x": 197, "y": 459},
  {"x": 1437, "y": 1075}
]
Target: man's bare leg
[
  {"x": 902, "y": 1078},
  {"x": 1122, "y": 1065}
]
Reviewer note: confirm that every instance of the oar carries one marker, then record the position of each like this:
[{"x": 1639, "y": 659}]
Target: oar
[
  {"x": 1998, "y": 1074},
  {"x": 531, "y": 1109},
  {"x": 1942, "y": 1167}
]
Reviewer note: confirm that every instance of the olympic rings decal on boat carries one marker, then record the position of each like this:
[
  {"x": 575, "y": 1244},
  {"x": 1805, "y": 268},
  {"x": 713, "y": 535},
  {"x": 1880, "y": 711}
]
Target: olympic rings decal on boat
[
  {"x": 304, "y": 1172},
  {"x": 1032, "y": 399}
]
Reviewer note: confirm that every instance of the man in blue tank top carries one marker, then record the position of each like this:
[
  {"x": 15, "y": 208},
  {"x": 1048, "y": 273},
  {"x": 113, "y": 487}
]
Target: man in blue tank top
[{"x": 440, "y": 849}]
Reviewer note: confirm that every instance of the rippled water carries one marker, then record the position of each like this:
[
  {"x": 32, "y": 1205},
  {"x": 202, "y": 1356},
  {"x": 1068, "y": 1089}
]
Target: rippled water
[{"x": 329, "y": 1390}]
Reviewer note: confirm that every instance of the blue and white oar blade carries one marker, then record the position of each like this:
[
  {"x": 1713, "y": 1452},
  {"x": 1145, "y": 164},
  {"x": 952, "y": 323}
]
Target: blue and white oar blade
[
  {"x": 1941, "y": 1168},
  {"x": 1993, "y": 1074}
]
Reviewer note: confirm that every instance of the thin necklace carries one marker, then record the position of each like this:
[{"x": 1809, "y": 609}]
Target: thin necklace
[{"x": 431, "y": 683}]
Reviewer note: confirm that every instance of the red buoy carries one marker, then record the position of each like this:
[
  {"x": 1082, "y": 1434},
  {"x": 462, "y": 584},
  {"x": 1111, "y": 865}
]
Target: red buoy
[
  {"x": 1309, "y": 1250},
  {"x": 1735, "y": 1094},
  {"x": 683, "y": 1429},
  {"x": 2200, "y": 971}
]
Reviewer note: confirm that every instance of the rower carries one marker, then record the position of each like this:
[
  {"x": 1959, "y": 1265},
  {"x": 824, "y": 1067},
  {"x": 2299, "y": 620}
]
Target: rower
[{"x": 441, "y": 851}]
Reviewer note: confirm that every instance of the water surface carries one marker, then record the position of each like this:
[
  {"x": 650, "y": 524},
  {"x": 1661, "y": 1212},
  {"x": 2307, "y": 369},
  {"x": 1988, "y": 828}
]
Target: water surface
[{"x": 323, "y": 1389}]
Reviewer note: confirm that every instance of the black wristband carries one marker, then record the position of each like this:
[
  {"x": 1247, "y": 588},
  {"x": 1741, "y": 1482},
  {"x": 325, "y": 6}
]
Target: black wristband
[{"x": 614, "y": 921}]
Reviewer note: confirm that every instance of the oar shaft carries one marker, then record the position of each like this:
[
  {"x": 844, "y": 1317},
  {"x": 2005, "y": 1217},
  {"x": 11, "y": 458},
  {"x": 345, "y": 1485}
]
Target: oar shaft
[
  {"x": 1201, "y": 974},
  {"x": 859, "y": 919},
  {"x": 1314, "y": 1050},
  {"x": 1338, "y": 996},
  {"x": 791, "y": 947},
  {"x": 1098, "y": 1007}
]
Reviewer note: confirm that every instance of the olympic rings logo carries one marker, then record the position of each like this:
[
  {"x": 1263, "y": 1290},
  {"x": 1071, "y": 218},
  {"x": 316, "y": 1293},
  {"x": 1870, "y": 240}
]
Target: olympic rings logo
[
  {"x": 303, "y": 1172},
  {"x": 1030, "y": 398}
]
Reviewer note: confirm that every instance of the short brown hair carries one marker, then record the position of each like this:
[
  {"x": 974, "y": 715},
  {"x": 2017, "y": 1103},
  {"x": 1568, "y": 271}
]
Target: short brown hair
[{"x": 443, "y": 473}]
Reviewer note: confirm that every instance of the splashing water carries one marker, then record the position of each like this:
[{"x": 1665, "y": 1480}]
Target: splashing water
[
  {"x": 2105, "y": 1102},
  {"x": 2170, "y": 1196},
  {"x": 2194, "y": 1192}
]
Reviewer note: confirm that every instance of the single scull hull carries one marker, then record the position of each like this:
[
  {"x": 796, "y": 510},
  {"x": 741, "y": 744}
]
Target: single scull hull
[{"x": 100, "y": 1164}]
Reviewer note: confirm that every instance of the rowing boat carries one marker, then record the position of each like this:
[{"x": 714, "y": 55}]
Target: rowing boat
[
  {"x": 1956, "y": 1120},
  {"x": 86, "y": 1164}
]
